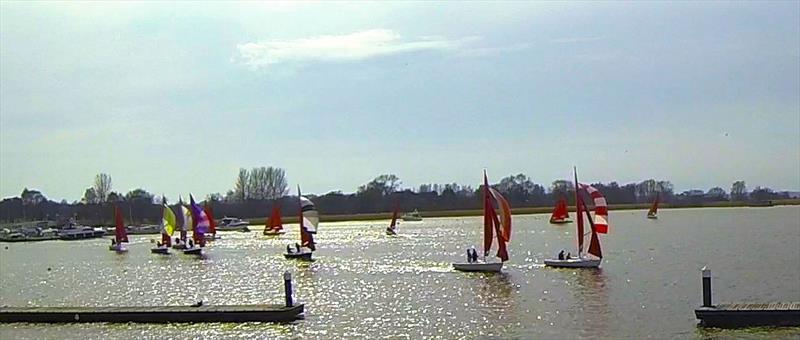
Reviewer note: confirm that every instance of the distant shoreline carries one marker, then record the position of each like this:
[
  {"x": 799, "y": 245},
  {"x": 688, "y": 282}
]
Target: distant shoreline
[{"x": 523, "y": 211}]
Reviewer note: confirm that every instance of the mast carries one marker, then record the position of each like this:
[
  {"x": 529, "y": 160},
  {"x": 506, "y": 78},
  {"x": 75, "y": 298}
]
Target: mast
[
  {"x": 393, "y": 225},
  {"x": 578, "y": 210}
]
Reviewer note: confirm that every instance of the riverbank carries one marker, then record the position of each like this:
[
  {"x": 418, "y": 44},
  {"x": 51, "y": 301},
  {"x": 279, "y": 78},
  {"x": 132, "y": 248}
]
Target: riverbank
[{"x": 522, "y": 211}]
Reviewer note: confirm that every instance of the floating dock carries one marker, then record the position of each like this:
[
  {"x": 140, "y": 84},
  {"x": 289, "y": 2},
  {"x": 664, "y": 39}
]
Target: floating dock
[
  {"x": 738, "y": 315},
  {"x": 145, "y": 314},
  {"x": 734, "y": 315},
  {"x": 162, "y": 314}
]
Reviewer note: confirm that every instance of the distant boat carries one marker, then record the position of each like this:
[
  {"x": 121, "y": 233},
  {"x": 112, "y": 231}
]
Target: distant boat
[
  {"x": 274, "y": 226},
  {"x": 412, "y": 216},
  {"x": 392, "y": 229},
  {"x": 308, "y": 222},
  {"x": 598, "y": 225},
  {"x": 120, "y": 234},
  {"x": 168, "y": 226},
  {"x": 496, "y": 221},
  {"x": 560, "y": 212},
  {"x": 653, "y": 212},
  {"x": 233, "y": 224}
]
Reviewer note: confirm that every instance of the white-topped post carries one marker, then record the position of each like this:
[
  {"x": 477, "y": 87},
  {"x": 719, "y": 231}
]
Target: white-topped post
[
  {"x": 287, "y": 286},
  {"x": 706, "y": 287}
]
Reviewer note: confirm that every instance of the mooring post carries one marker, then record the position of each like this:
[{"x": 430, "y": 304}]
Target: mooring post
[
  {"x": 706, "y": 287},
  {"x": 287, "y": 286}
]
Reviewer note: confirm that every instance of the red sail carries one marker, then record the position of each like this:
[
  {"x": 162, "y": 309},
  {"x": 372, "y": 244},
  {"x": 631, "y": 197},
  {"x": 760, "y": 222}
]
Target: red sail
[
  {"x": 594, "y": 244},
  {"x": 120, "y": 234},
  {"x": 488, "y": 221},
  {"x": 166, "y": 240},
  {"x": 212, "y": 223},
  {"x": 560, "y": 211},
  {"x": 275, "y": 220}
]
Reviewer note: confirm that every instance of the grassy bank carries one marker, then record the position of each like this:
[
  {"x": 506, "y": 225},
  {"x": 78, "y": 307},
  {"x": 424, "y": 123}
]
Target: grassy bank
[{"x": 516, "y": 211}]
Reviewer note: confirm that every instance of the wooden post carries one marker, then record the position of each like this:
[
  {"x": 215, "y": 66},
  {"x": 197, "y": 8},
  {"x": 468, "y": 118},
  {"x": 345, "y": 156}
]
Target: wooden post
[
  {"x": 706, "y": 287},
  {"x": 287, "y": 286}
]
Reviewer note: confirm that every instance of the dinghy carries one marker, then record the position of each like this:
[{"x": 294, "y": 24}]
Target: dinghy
[
  {"x": 599, "y": 225},
  {"x": 653, "y": 212},
  {"x": 274, "y": 226},
  {"x": 496, "y": 221},
  {"x": 560, "y": 212},
  {"x": 308, "y": 222},
  {"x": 180, "y": 243},
  {"x": 392, "y": 228},
  {"x": 200, "y": 226},
  {"x": 120, "y": 234},
  {"x": 167, "y": 229}
]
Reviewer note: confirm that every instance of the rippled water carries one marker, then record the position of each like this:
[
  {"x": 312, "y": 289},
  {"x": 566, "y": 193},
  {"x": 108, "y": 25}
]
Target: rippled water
[{"x": 366, "y": 284}]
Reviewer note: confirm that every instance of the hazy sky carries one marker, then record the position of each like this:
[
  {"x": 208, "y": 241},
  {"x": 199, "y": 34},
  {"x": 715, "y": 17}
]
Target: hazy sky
[{"x": 174, "y": 98}]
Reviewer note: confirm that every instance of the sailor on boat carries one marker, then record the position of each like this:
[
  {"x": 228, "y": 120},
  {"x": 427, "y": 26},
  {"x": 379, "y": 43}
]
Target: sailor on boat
[
  {"x": 561, "y": 255},
  {"x": 288, "y": 249},
  {"x": 569, "y": 256}
]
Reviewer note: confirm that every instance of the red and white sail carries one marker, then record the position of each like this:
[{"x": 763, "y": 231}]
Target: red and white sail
[
  {"x": 308, "y": 220},
  {"x": 496, "y": 221},
  {"x": 600, "y": 208}
]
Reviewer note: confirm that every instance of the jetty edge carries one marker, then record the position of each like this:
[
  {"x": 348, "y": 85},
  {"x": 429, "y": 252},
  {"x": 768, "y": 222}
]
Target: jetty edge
[
  {"x": 287, "y": 312},
  {"x": 741, "y": 315}
]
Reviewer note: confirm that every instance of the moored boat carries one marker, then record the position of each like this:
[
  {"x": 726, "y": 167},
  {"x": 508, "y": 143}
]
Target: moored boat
[
  {"x": 598, "y": 226},
  {"x": 233, "y": 224},
  {"x": 412, "y": 216},
  {"x": 496, "y": 221},
  {"x": 308, "y": 220}
]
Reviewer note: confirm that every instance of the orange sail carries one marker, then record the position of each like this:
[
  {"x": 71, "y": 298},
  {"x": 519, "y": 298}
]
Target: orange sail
[
  {"x": 120, "y": 234},
  {"x": 654, "y": 209},
  {"x": 496, "y": 221}
]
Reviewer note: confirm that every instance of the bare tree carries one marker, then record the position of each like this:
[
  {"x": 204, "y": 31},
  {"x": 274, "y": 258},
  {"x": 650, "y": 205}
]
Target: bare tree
[
  {"x": 102, "y": 187},
  {"x": 277, "y": 186},
  {"x": 738, "y": 191},
  {"x": 240, "y": 187}
]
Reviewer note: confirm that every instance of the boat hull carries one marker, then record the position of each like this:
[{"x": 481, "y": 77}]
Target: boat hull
[
  {"x": 560, "y": 221},
  {"x": 117, "y": 248},
  {"x": 305, "y": 256},
  {"x": 242, "y": 228},
  {"x": 193, "y": 251},
  {"x": 274, "y": 233},
  {"x": 411, "y": 219},
  {"x": 162, "y": 250},
  {"x": 573, "y": 263},
  {"x": 486, "y": 267},
  {"x": 390, "y": 232},
  {"x": 652, "y": 217}
]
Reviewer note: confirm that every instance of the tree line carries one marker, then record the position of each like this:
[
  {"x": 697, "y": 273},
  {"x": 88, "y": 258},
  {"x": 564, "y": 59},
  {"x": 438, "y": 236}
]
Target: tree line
[{"x": 257, "y": 190}]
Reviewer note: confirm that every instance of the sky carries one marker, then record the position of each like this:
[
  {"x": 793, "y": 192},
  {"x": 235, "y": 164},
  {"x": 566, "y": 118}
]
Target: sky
[{"x": 176, "y": 97}]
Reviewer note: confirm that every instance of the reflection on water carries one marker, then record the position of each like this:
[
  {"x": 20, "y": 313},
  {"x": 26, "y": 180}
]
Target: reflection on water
[{"x": 366, "y": 284}]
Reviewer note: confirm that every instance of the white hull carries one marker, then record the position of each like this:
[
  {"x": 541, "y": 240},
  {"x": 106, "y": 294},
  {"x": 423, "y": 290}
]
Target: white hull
[
  {"x": 573, "y": 263},
  {"x": 117, "y": 248},
  {"x": 652, "y": 217},
  {"x": 273, "y": 233},
  {"x": 560, "y": 221},
  {"x": 492, "y": 267}
]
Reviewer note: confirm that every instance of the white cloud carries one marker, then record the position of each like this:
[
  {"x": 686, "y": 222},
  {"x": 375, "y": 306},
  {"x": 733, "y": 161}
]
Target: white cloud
[{"x": 348, "y": 47}]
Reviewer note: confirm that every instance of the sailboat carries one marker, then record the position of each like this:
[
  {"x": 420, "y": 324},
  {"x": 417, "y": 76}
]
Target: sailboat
[
  {"x": 180, "y": 243},
  {"x": 168, "y": 226},
  {"x": 496, "y": 221},
  {"x": 274, "y": 226},
  {"x": 200, "y": 226},
  {"x": 212, "y": 224},
  {"x": 653, "y": 212},
  {"x": 560, "y": 213},
  {"x": 598, "y": 226},
  {"x": 392, "y": 229},
  {"x": 308, "y": 221},
  {"x": 120, "y": 234}
]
